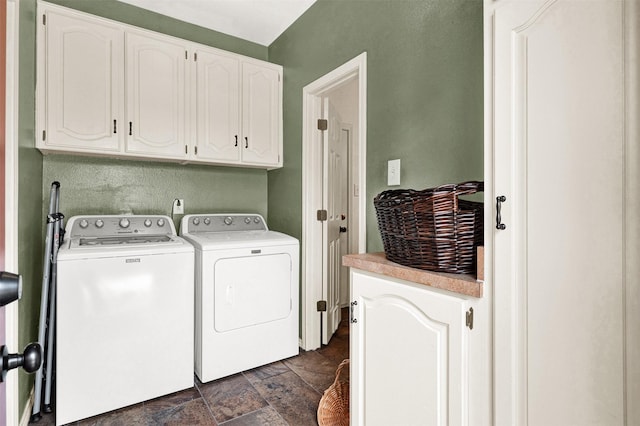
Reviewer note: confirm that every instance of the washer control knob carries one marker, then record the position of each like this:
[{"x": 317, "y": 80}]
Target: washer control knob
[
  {"x": 247, "y": 220},
  {"x": 207, "y": 221},
  {"x": 124, "y": 223},
  {"x": 99, "y": 223},
  {"x": 196, "y": 221},
  {"x": 148, "y": 222},
  {"x": 84, "y": 223},
  {"x": 256, "y": 219},
  {"x": 161, "y": 222},
  {"x": 228, "y": 220}
]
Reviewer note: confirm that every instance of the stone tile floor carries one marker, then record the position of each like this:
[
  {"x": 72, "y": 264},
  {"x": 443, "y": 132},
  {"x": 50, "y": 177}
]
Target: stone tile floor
[{"x": 286, "y": 392}]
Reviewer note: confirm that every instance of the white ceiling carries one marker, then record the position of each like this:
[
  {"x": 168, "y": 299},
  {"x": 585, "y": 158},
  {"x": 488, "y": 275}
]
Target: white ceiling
[{"x": 259, "y": 21}]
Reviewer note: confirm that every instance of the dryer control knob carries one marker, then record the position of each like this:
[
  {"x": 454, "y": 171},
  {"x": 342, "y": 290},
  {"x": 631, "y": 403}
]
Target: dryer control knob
[
  {"x": 228, "y": 220},
  {"x": 124, "y": 223},
  {"x": 196, "y": 221},
  {"x": 84, "y": 223},
  {"x": 160, "y": 222},
  {"x": 247, "y": 220},
  {"x": 148, "y": 223},
  {"x": 99, "y": 223},
  {"x": 207, "y": 221},
  {"x": 256, "y": 219}
]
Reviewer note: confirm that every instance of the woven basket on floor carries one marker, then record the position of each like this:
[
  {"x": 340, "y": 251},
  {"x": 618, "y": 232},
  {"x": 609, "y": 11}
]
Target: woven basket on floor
[
  {"x": 333, "y": 409},
  {"x": 432, "y": 229}
]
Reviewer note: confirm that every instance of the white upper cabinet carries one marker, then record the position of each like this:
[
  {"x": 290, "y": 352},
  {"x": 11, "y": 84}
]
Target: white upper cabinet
[
  {"x": 217, "y": 107},
  {"x": 238, "y": 110},
  {"x": 110, "y": 89},
  {"x": 156, "y": 90},
  {"x": 81, "y": 84},
  {"x": 261, "y": 114}
]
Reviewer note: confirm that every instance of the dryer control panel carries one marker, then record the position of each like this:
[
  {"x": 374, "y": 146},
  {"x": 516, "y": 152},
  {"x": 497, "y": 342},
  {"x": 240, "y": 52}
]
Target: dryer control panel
[{"x": 223, "y": 223}]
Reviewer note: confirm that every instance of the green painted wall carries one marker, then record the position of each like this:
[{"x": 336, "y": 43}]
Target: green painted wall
[
  {"x": 425, "y": 93},
  {"x": 102, "y": 186},
  {"x": 110, "y": 186}
]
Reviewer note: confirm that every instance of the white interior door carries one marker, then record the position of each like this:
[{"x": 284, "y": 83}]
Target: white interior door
[
  {"x": 559, "y": 149},
  {"x": 9, "y": 13},
  {"x": 3, "y": 19},
  {"x": 335, "y": 177},
  {"x": 347, "y": 224},
  {"x": 313, "y": 231}
]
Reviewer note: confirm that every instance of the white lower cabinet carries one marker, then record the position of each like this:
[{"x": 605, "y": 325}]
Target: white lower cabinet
[{"x": 409, "y": 353}]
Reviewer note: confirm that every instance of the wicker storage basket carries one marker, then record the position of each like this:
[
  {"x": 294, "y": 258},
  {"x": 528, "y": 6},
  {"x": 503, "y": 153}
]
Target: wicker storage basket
[
  {"x": 333, "y": 409},
  {"x": 432, "y": 229}
]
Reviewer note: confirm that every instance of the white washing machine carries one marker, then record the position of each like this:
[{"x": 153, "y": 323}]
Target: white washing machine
[
  {"x": 246, "y": 293},
  {"x": 124, "y": 314}
]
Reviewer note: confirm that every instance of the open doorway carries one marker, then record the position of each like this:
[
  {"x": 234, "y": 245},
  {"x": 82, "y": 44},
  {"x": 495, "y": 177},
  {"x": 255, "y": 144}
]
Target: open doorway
[{"x": 324, "y": 285}]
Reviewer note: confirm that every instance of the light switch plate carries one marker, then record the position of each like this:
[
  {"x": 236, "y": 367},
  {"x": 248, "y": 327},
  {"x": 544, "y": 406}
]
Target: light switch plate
[{"x": 393, "y": 172}]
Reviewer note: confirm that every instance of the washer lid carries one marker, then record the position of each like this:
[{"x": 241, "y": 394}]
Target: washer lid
[{"x": 235, "y": 239}]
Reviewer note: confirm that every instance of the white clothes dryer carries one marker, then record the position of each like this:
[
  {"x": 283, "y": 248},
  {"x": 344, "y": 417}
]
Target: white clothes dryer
[
  {"x": 124, "y": 314},
  {"x": 246, "y": 281}
]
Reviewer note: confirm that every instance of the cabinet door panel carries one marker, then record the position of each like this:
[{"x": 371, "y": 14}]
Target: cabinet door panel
[
  {"x": 155, "y": 96},
  {"x": 84, "y": 84},
  {"x": 218, "y": 107},
  {"x": 559, "y": 123},
  {"x": 409, "y": 355},
  {"x": 260, "y": 115}
]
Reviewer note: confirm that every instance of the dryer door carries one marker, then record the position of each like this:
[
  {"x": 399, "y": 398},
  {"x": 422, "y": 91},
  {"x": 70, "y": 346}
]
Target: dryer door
[{"x": 251, "y": 290}]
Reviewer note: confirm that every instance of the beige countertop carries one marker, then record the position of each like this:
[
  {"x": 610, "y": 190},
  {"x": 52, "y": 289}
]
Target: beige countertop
[{"x": 378, "y": 263}]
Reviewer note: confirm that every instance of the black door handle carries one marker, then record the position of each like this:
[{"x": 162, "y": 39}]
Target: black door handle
[
  {"x": 30, "y": 360},
  {"x": 499, "y": 200},
  {"x": 10, "y": 287},
  {"x": 343, "y": 229}
]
